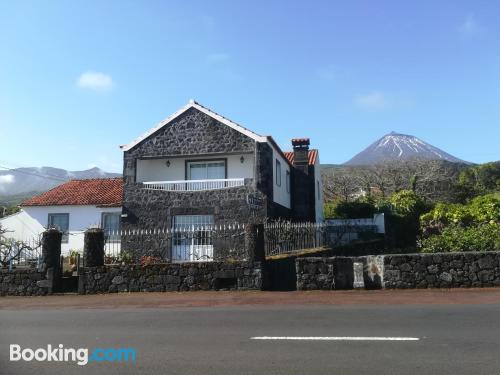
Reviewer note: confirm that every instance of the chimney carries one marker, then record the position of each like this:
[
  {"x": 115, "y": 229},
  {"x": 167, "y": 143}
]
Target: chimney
[{"x": 301, "y": 154}]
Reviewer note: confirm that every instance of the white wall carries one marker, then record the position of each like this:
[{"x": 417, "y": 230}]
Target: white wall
[
  {"x": 318, "y": 198},
  {"x": 280, "y": 194},
  {"x": 157, "y": 170},
  {"x": 31, "y": 221}
]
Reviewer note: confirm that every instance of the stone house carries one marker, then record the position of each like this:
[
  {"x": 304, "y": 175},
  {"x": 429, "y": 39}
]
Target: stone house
[{"x": 199, "y": 168}]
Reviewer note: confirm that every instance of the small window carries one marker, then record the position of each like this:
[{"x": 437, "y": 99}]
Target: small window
[
  {"x": 278, "y": 172},
  {"x": 318, "y": 189},
  {"x": 111, "y": 226},
  {"x": 60, "y": 222},
  {"x": 288, "y": 181}
]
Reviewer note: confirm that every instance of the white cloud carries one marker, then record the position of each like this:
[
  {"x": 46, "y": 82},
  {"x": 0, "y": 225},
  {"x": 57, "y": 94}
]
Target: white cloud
[
  {"x": 374, "y": 101},
  {"x": 95, "y": 81},
  {"x": 217, "y": 58},
  {"x": 7, "y": 179},
  {"x": 470, "y": 28}
]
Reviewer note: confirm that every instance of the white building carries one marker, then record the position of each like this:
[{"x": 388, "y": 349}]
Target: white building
[{"x": 71, "y": 207}]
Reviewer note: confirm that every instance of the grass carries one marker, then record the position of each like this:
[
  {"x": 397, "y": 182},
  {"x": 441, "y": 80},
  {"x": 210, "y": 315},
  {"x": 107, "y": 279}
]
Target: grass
[{"x": 298, "y": 253}]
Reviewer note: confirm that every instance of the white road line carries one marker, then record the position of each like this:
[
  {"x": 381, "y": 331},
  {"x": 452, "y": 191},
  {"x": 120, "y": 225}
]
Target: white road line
[{"x": 335, "y": 338}]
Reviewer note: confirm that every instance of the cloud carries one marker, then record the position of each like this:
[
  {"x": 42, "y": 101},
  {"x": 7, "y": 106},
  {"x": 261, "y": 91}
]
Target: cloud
[
  {"x": 470, "y": 28},
  {"x": 381, "y": 101},
  {"x": 373, "y": 101},
  {"x": 215, "y": 58},
  {"x": 7, "y": 179},
  {"x": 95, "y": 81}
]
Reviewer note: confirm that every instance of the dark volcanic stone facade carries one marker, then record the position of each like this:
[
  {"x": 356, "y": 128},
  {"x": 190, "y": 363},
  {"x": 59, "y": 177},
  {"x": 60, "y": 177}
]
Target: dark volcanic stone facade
[
  {"x": 194, "y": 133},
  {"x": 23, "y": 282},
  {"x": 172, "y": 277}
]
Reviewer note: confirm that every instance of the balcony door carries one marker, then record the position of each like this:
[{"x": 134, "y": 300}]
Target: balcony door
[
  {"x": 206, "y": 170},
  {"x": 206, "y": 174}
]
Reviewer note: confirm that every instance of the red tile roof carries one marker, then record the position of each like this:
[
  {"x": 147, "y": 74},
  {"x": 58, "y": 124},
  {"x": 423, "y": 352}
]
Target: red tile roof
[
  {"x": 312, "y": 156},
  {"x": 106, "y": 192}
]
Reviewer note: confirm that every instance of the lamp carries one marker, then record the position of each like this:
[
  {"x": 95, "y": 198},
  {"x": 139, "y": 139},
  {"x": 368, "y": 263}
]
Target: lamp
[
  {"x": 242, "y": 159},
  {"x": 168, "y": 163}
]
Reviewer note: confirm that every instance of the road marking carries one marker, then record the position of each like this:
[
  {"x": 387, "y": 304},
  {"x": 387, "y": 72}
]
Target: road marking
[{"x": 335, "y": 338}]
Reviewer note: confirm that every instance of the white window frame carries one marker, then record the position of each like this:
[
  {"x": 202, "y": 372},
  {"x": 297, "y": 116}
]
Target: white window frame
[
  {"x": 65, "y": 236},
  {"x": 188, "y": 246},
  {"x": 114, "y": 235},
  {"x": 278, "y": 172},
  {"x": 287, "y": 181},
  {"x": 194, "y": 162}
]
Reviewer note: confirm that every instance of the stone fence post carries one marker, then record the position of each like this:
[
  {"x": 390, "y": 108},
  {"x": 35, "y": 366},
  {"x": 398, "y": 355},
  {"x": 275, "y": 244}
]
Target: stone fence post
[
  {"x": 254, "y": 242},
  {"x": 93, "y": 247},
  {"x": 51, "y": 259}
]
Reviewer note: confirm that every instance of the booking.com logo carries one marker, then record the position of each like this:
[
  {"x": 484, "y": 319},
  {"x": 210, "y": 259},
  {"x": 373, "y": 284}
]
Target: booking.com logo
[{"x": 80, "y": 356}]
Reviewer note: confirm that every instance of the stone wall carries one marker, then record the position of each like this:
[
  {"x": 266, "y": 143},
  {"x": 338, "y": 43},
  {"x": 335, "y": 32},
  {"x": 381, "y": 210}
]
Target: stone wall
[
  {"x": 171, "y": 277},
  {"x": 23, "y": 282},
  {"x": 443, "y": 270},
  {"x": 324, "y": 273}
]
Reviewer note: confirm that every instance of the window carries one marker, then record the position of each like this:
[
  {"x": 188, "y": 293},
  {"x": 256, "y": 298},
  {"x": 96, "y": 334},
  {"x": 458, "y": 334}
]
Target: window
[
  {"x": 192, "y": 238},
  {"x": 60, "y": 222},
  {"x": 287, "y": 181},
  {"x": 206, "y": 170},
  {"x": 318, "y": 189},
  {"x": 278, "y": 172},
  {"x": 110, "y": 222}
]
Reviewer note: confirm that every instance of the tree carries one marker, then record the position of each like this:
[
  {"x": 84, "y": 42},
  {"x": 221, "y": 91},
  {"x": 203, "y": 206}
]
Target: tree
[
  {"x": 9, "y": 210},
  {"x": 479, "y": 179},
  {"x": 12, "y": 250},
  {"x": 340, "y": 185}
]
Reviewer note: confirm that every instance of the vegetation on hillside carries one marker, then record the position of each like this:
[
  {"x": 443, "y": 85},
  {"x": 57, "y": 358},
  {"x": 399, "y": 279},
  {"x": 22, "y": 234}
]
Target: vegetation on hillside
[
  {"x": 445, "y": 207},
  {"x": 474, "y": 226}
]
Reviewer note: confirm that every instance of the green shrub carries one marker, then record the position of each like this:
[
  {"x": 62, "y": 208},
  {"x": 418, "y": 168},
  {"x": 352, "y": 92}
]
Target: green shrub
[
  {"x": 482, "y": 209},
  {"x": 485, "y": 237},
  {"x": 402, "y": 211},
  {"x": 352, "y": 210},
  {"x": 406, "y": 202},
  {"x": 462, "y": 227}
]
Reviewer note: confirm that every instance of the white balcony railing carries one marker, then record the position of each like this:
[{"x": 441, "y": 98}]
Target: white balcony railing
[{"x": 194, "y": 185}]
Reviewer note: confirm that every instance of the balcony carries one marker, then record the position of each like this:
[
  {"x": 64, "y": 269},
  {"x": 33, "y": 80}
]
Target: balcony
[{"x": 194, "y": 185}]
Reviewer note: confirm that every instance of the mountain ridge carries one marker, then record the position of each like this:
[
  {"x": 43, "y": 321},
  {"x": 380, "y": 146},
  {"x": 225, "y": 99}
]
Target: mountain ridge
[{"x": 28, "y": 181}]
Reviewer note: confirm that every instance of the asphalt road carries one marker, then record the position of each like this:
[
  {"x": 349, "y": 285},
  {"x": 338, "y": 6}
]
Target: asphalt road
[{"x": 454, "y": 339}]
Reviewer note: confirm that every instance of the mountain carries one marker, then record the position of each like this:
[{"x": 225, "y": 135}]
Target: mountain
[
  {"x": 21, "y": 183},
  {"x": 396, "y": 146}
]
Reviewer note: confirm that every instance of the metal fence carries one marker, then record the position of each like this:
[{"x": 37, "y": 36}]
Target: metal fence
[
  {"x": 20, "y": 254},
  {"x": 284, "y": 237},
  {"x": 196, "y": 243}
]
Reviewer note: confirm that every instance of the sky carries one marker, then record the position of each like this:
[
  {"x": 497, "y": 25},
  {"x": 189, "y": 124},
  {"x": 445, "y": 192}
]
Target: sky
[{"x": 80, "y": 78}]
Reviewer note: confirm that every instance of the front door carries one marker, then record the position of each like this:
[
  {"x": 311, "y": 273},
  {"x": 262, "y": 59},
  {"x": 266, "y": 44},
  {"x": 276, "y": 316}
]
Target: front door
[{"x": 192, "y": 241}]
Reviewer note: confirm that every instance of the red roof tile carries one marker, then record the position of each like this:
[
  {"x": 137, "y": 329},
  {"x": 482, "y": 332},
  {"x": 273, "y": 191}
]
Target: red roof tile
[
  {"x": 312, "y": 156},
  {"x": 105, "y": 192}
]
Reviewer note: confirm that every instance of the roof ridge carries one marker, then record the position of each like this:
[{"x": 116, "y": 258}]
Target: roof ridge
[
  {"x": 93, "y": 179},
  {"x": 209, "y": 112}
]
